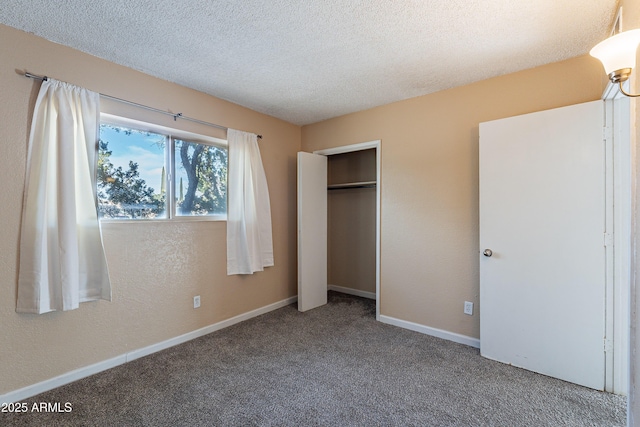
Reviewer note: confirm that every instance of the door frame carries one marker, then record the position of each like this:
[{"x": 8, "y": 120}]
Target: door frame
[
  {"x": 360, "y": 147},
  {"x": 616, "y": 133}
]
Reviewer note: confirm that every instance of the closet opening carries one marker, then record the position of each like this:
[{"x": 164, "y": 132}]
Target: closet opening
[{"x": 353, "y": 220}]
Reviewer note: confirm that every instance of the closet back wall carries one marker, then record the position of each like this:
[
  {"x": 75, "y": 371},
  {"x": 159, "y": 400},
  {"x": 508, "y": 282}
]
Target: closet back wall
[{"x": 156, "y": 267}]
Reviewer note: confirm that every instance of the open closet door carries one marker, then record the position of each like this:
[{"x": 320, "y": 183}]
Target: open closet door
[{"x": 312, "y": 231}]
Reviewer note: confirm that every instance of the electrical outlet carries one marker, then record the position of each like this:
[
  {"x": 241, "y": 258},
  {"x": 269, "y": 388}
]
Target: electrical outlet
[
  {"x": 468, "y": 308},
  {"x": 196, "y": 301}
]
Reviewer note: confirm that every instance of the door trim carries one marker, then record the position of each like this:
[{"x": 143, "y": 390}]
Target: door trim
[
  {"x": 619, "y": 219},
  {"x": 359, "y": 147}
]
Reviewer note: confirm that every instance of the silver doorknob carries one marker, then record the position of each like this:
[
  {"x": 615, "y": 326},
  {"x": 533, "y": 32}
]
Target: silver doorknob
[{"x": 487, "y": 252}]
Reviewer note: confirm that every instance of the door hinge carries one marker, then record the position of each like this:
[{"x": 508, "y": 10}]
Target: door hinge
[
  {"x": 607, "y": 133},
  {"x": 608, "y": 345},
  {"x": 608, "y": 239}
]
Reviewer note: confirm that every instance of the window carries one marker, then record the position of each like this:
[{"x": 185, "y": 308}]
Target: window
[{"x": 151, "y": 172}]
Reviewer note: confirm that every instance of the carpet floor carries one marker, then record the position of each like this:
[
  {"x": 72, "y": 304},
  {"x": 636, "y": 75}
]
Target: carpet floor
[{"x": 331, "y": 366}]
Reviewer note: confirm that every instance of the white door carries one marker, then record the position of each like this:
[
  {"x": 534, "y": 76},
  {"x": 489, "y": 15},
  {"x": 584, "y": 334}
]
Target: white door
[
  {"x": 542, "y": 214},
  {"x": 312, "y": 231}
]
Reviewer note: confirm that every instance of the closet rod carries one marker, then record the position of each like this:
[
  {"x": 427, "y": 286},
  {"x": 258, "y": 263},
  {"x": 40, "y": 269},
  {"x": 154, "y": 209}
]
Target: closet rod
[
  {"x": 175, "y": 116},
  {"x": 350, "y": 185}
]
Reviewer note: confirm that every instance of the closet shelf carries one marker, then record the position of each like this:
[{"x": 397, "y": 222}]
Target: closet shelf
[{"x": 348, "y": 185}]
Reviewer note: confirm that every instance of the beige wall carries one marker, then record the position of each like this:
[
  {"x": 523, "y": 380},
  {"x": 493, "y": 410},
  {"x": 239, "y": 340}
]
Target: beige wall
[
  {"x": 156, "y": 267},
  {"x": 429, "y": 182}
]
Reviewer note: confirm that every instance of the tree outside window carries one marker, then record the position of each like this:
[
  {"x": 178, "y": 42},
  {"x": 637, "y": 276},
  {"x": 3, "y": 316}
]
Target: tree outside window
[{"x": 133, "y": 182}]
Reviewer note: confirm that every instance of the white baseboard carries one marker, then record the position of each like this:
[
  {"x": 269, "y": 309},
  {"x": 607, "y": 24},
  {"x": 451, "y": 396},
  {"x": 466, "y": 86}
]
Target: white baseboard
[
  {"x": 55, "y": 382},
  {"x": 439, "y": 333},
  {"x": 136, "y": 354},
  {"x": 351, "y": 291},
  {"x": 69, "y": 377}
]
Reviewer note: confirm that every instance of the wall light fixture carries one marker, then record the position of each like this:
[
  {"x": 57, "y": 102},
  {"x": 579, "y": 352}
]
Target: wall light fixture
[{"x": 618, "y": 56}]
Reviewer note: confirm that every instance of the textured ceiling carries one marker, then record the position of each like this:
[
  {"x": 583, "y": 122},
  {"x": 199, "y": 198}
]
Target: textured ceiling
[{"x": 306, "y": 61}]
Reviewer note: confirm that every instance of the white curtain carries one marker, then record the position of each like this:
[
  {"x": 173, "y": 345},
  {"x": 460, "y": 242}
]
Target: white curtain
[
  {"x": 62, "y": 261},
  {"x": 249, "y": 237}
]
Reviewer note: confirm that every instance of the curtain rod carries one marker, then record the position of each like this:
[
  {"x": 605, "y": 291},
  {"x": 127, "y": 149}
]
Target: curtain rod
[{"x": 175, "y": 116}]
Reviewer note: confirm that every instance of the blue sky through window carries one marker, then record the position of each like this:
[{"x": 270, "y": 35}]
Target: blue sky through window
[{"x": 145, "y": 149}]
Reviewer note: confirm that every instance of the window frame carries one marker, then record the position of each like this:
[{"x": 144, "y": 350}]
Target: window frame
[{"x": 171, "y": 134}]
